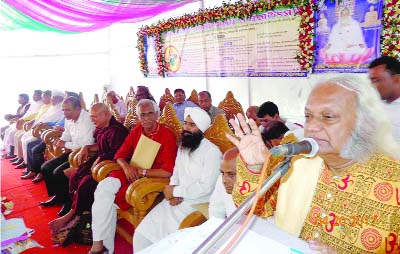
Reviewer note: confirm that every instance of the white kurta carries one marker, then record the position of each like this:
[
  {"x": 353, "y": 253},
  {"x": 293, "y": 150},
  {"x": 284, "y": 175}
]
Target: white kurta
[
  {"x": 186, "y": 240},
  {"x": 393, "y": 110},
  {"x": 194, "y": 177}
]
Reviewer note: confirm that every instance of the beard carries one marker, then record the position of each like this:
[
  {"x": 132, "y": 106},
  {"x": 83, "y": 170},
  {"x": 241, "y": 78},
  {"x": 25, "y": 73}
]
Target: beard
[{"x": 191, "y": 140}]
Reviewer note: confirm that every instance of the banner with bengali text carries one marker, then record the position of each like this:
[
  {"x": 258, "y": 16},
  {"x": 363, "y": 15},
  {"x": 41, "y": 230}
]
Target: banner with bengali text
[
  {"x": 261, "y": 46},
  {"x": 347, "y": 35}
]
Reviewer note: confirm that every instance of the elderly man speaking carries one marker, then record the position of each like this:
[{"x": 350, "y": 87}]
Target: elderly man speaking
[
  {"x": 195, "y": 174},
  {"x": 347, "y": 198}
]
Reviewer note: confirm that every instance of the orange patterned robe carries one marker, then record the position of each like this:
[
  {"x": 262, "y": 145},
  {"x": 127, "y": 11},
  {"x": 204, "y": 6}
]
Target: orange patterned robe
[{"x": 357, "y": 211}]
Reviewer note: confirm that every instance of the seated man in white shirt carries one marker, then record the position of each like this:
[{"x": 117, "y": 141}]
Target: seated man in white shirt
[
  {"x": 221, "y": 206},
  {"x": 192, "y": 182},
  {"x": 78, "y": 133}
]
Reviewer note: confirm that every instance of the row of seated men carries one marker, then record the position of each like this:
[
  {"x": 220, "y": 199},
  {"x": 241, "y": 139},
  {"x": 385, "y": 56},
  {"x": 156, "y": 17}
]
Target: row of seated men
[
  {"x": 333, "y": 114},
  {"x": 54, "y": 170}
]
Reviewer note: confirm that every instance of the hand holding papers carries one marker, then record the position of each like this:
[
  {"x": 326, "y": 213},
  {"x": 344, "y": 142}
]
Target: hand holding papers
[{"x": 145, "y": 153}]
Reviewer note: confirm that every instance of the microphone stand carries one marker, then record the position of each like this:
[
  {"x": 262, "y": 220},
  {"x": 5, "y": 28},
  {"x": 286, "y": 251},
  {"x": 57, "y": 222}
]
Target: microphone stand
[{"x": 280, "y": 171}]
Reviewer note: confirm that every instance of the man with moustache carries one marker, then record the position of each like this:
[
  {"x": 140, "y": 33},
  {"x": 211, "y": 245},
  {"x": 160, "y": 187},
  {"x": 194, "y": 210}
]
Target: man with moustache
[
  {"x": 109, "y": 135},
  {"x": 110, "y": 192},
  {"x": 195, "y": 174},
  {"x": 78, "y": 133},
  {"x": 345, "y": 199}
]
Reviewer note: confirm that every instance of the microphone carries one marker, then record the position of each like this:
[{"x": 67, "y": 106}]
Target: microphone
[{"x": 308, "y": 147}]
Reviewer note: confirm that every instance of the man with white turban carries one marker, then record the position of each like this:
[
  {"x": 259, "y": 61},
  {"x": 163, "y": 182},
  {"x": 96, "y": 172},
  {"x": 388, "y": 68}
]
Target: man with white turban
[{"x": 192, "y": 182}]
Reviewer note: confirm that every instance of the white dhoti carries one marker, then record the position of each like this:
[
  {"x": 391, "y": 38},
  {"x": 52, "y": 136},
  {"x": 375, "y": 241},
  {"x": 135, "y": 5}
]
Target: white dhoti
[
  {"x": 17, "y": 143},
  {"x": 104, "y": 212},
  {"x": 9, "y": 137},
  {"x": 163, "y": 220},
  {"x": 25, "y": 140}
]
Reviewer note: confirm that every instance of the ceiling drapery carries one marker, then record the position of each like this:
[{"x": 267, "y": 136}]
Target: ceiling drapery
[{"x": 79, "y": 16}]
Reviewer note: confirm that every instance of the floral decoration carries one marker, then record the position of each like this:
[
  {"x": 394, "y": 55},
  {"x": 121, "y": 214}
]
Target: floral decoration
[
  {"x": 305, "y": 56},
  {"x": 239, "y": 10},
  {"x": 390, "y": 38}
]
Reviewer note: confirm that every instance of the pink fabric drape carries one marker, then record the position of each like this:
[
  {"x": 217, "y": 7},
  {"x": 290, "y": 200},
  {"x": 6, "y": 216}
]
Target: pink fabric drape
[{"x": 89, "y": 15}]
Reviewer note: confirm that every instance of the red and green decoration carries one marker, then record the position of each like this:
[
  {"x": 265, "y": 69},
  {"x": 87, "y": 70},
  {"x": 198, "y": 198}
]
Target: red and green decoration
[
  {"x": 240, "y": 10},
  {"x": 390, "y": 40}
]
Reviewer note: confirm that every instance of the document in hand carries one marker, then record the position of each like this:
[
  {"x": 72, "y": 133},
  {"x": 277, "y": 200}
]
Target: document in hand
[{"x": 145, "y": 153}]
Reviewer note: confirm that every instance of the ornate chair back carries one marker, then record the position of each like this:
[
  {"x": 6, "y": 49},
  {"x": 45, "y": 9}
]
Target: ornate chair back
[
  {"x": 230, "y": 106},
  {"x": 216, "y": 133},
  {"x": 131, "y": 117},
  {"x": 166, "y": 98},
  {"x": 170, "y": 119},
  {"x": 194, "y": 97}
]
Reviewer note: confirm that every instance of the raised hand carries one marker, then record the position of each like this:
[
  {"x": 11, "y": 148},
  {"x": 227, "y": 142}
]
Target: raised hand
[{"x": 248, "y": 140}]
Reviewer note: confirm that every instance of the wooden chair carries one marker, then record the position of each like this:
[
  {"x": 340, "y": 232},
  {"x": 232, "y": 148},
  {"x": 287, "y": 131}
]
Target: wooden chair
[
  {"x": 49, "y": 137},
  {"x": 171, "y": 120},
  {"x": 39, "y": 129},
  {"x": 194, "y": 97},
  {"x": 166, "y": 98},
  {"x": 145, "y": 193},
  {"x": 20, "y": 124},
  {"x": 230, "y": 106},
  {"x": 131, "y": 117}
]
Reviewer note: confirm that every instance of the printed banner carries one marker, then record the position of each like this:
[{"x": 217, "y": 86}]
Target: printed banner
[
  {"x": 347, "y": 35},
  {"x": 261, "y": 46}
]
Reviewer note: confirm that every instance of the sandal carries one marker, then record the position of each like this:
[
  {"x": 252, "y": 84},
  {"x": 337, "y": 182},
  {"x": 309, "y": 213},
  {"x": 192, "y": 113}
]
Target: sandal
[{"x": 102, "y": 251}]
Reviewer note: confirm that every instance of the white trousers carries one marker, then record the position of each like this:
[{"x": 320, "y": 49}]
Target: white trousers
[
  {"x": 17, "y": 143},
  {"x": 104, "y": 212},
  {"x": 9, "y": 137},
  {"x": 161, "y": 221}
]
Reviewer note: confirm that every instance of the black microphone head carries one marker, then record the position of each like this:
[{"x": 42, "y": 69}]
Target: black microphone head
[{"x": 308, "y": 147}]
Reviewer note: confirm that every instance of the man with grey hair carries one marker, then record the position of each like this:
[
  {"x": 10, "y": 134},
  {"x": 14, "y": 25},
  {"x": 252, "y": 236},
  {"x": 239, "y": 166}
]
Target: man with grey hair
[
  {"x": 113, "y": 188},
  {"x": 345, "y": 199},
  {"x": 195, "y": 174}
]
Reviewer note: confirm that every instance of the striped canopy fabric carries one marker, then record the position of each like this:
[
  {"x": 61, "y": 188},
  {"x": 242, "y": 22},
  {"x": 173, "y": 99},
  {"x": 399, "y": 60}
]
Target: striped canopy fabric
[{"x": 75, "y": 16}]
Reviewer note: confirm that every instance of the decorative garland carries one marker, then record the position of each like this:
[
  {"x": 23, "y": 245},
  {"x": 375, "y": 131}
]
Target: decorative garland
[
  {"x": 390, "y": 40},
  {"x": 240, "y": 10},
  {"x": 305, "y": 56}
]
